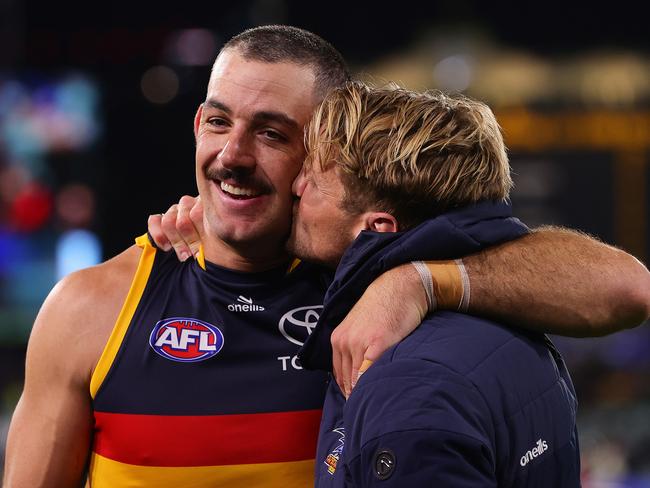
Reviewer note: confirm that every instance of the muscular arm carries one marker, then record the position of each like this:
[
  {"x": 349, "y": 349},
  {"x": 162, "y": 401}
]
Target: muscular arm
[
  {"x": 51, "y": 430},
  {"x": 560, "y": 281},
  {"x": 554, "y": 280}
]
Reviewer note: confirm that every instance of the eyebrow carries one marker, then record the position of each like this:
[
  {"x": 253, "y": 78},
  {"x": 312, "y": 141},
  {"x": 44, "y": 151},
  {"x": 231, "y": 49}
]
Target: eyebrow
[
  {"x": 217, "y": 105},
  {"x": 263, "y": 116}
]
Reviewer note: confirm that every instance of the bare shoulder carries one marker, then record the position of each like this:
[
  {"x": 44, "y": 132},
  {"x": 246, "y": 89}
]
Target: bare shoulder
[
  {"x": 53, "y": 420},
  {"x": 105, "y": 283},
  {"x": 79, "y": 313}
]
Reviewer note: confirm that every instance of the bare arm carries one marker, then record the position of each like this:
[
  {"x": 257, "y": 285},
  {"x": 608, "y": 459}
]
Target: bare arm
[
  {"x": 561, "y": 282},
  {"x": 554, "y": 280},
  {"x": 51, "y": 429}
]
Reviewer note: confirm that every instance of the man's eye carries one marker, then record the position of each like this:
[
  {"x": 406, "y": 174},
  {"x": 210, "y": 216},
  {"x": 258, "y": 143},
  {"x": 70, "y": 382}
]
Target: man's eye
[
  {"x": 273, "y": 135},
  {"x": 217, "y": 122}
]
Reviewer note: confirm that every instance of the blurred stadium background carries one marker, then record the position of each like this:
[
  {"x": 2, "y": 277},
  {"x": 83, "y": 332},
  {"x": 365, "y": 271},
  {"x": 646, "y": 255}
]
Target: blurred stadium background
[{"x": 96, "y": 107}]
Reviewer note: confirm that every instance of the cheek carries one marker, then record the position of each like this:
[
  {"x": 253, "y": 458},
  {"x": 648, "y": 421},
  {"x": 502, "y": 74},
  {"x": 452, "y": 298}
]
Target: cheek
[
  {"x": 310, "y": 202},
  {"x": 206, "y": 150},
  {"x": 307, "y": 216},
  {"x": 281, "y": 173}
]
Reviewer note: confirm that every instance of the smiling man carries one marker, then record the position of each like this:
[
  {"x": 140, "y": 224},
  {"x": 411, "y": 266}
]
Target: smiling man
[
  {"x": 149, "y": 372},
  {"x": 461, "y": 401},
  {"x": 251, "y": 126},
  {"x": 144, "y": 371}
]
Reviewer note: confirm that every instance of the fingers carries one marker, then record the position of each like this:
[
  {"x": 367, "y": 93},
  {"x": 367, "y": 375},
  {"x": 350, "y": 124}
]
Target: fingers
[
  {"x": 370, "y": 355},
  {"x": 185, "y": 225},
  {"x": 355, "y": 371},
  {"x": 346, "y": 373},
  {"x": 154, "y": 227},
  {"x": 362, "y": 369},
  {"x": 196, "y": 215},
  {"x": 388, "y": 311},
  {"x": 168, "y": 225},
  {"x": 179, "y": 228},
  {"x": 341, "y": 360},
  {"x": 347, "y": 357},
  {"x": 351, "y": 367},
  {"x": 358, "y": 370},
  {"x": 336, "y": 367}
]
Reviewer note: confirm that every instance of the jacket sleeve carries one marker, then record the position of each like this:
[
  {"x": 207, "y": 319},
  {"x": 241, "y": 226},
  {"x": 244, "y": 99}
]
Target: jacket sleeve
[{"x": 418, "y": 424}]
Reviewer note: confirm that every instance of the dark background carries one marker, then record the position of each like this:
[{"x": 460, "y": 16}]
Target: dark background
[{"x": 147, "y": 150}]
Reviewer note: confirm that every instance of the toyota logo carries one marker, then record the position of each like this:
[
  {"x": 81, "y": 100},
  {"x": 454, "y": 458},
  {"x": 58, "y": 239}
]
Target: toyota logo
[{"x": 297, "y": 324}]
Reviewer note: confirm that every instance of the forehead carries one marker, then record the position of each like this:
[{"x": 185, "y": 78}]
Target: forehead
[{"x": 249, "y": 86}]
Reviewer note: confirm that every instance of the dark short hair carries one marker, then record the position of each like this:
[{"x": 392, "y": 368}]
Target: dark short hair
[{"x": 284, "y": 43}]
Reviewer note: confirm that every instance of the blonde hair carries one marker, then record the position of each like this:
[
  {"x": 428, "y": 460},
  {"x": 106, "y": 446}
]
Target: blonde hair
[{"x": 414, "y": 155}]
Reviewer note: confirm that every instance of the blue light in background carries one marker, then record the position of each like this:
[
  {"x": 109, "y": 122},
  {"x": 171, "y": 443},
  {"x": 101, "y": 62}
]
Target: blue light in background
[{"x": 76, "y": 249}]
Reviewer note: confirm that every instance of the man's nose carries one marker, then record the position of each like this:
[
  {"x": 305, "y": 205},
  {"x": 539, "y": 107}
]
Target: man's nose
[
  {"x": 299, "y": 183},
  {"x": 237, "y": 152}
]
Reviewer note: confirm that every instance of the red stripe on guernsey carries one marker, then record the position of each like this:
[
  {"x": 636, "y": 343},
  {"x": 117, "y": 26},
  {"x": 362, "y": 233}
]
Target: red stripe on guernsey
[{"x": 207, "y": 440}]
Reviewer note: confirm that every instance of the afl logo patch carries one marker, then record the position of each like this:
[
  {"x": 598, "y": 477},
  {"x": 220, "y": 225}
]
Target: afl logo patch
[{"x": 185, "y": 340}]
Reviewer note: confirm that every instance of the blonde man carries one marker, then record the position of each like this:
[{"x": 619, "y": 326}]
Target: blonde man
[{"x": 462, "y": 401}]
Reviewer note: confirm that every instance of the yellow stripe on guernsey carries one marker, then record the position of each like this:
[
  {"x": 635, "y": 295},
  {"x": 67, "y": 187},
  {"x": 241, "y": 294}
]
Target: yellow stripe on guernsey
[
  {"x": 298, "y": 474},
  {"x": 126, "y": 314},
  {"x": 294, "y": 264},
  {"x": 200, "y": 257}
]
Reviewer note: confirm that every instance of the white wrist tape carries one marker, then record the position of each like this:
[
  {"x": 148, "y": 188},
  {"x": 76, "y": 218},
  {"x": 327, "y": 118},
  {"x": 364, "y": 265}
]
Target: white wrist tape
[
  {"x": 464, "y": 301},
  {"x": 427, "y": 283},
  {"x": 462, "y": 305}
]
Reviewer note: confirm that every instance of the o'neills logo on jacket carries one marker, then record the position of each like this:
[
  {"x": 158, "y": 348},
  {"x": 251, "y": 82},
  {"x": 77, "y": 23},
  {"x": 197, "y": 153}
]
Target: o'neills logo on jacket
[{"x": 534, "y": 452}]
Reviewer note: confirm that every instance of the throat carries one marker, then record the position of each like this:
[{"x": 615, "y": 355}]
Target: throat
[{"x": 250, "y": 258}]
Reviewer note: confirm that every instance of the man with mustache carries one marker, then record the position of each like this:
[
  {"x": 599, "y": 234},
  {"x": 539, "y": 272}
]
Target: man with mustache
[{"x": 156, "y": 373}]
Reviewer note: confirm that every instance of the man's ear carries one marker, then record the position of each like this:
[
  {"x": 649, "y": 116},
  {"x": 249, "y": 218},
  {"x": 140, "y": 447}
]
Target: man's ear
[
  {"x": 197, "y": 121},
  {"x": 381, "y": 222}
]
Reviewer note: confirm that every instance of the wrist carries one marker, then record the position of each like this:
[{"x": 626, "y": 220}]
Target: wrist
[
  {"x": 408, "y": 284},
  {"x": 446, "y": 284}
]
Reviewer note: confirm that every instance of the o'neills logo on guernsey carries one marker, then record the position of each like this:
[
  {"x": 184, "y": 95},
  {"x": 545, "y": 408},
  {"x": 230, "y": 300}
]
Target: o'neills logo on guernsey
[
  {"x": 534, "y": 452},
  {"x": 245, "y": 305},
  {"x": 185, "y": 340}
]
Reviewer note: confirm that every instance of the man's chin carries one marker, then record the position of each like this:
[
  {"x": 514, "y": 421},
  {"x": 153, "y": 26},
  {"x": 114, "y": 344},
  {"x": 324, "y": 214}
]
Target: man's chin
[
  {"x": 291, "y": 246},
  {"x": 233, "y": 231},
  {"x": 297, "y": 248}
]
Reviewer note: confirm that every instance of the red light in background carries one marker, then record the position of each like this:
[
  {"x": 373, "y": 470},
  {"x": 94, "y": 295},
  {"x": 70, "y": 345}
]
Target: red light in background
[{"x": 31, "y": 208}]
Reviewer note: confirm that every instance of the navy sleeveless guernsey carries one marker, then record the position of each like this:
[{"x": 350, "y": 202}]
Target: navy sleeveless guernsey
[{"x": 199, "y": 386}]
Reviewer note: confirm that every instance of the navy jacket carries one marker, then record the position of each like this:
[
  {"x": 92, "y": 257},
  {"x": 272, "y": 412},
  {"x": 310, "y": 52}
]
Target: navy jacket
[{"x": 462, "y": 401}]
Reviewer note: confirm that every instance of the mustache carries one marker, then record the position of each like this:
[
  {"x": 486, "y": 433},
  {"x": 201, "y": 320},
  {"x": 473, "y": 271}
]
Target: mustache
[{"x": 240, "y": 177}]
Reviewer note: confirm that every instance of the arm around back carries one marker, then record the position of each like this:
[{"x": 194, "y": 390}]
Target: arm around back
[
  {"x": 562, "y": 282},
  {"x": 51, "y": 430}
]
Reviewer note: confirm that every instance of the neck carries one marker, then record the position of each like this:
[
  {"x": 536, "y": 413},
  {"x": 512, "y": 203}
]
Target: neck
[{"x": 249, "y": 258}]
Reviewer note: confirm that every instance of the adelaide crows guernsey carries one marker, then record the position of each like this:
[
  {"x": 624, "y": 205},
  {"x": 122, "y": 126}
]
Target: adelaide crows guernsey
[{"x": 199, "y": 386}]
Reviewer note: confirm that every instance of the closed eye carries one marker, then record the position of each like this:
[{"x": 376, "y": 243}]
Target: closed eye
[{"x": 273, "y": 135}]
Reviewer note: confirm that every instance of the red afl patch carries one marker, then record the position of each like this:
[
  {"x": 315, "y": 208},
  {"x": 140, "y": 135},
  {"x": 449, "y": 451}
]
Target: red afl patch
[{"x": 186, "y": 340}]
